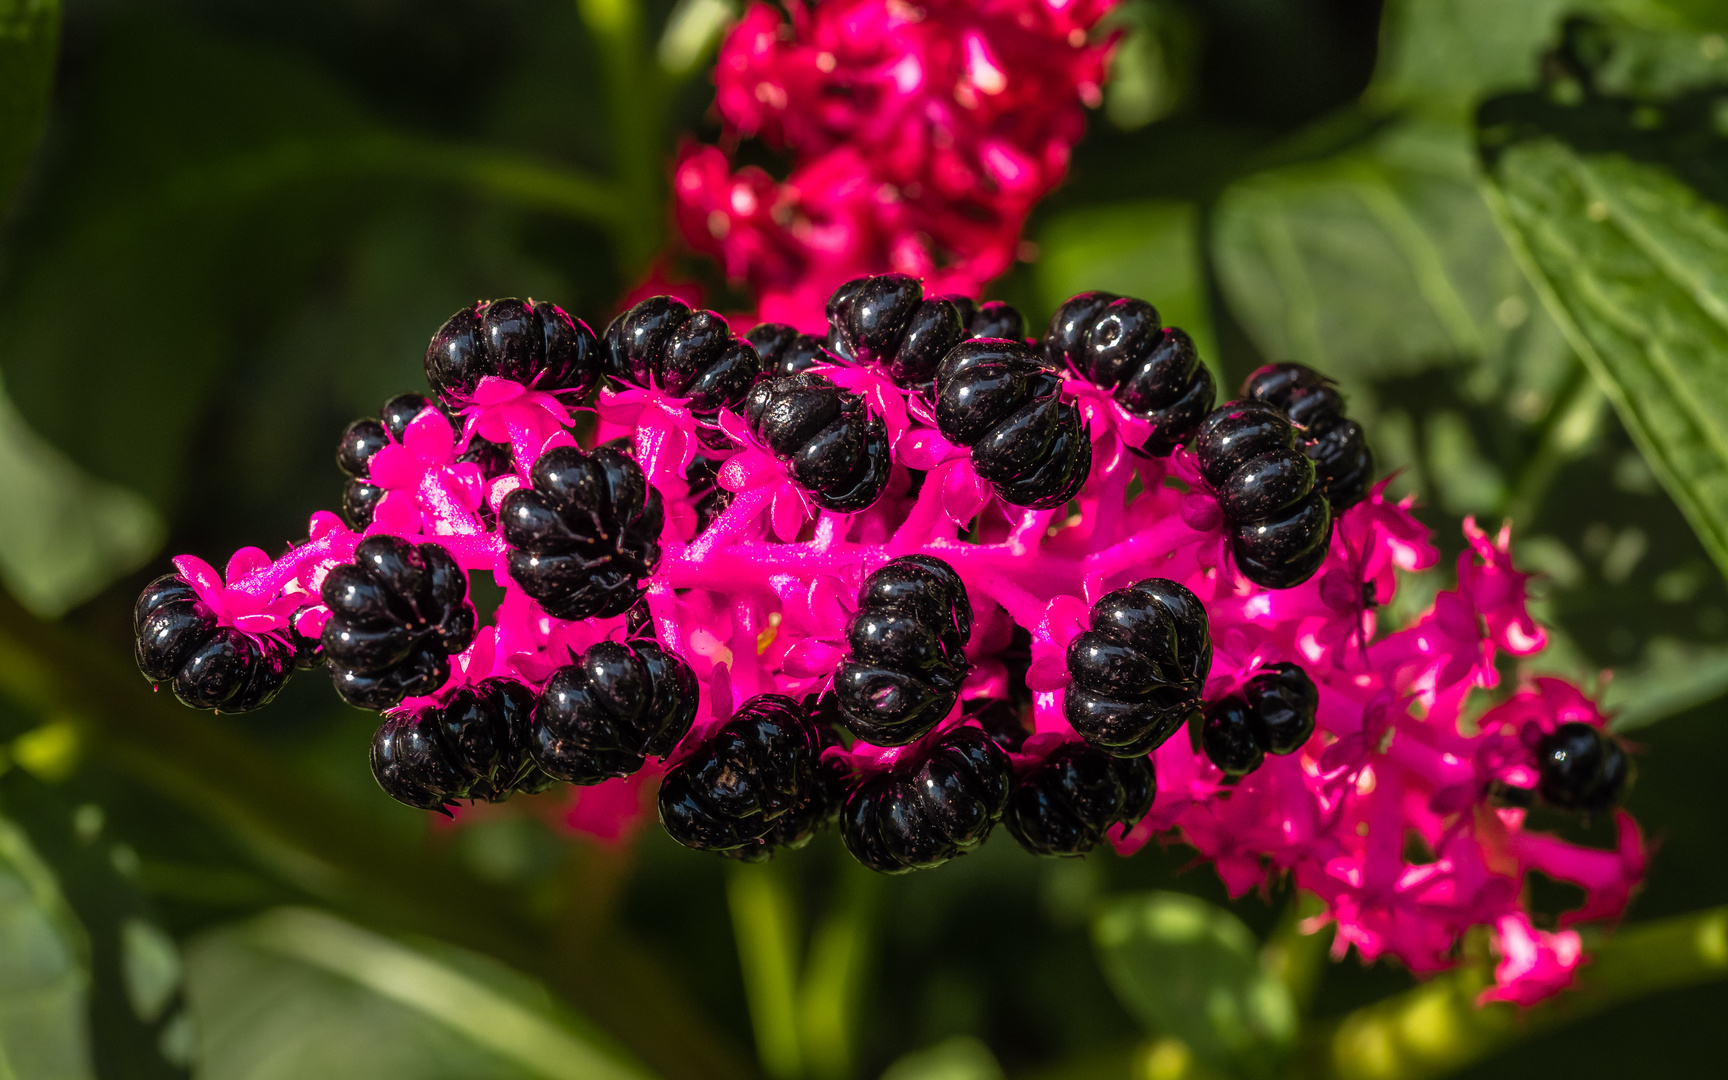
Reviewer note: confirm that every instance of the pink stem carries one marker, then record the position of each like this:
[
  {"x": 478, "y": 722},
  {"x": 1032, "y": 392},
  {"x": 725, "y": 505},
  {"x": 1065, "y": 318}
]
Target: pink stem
[
  {"x": 922, "y": 521},
  {"x": 1143, "y": 547},
  {"x": 745, "y": 508},
  {"x": 335, "y": 546}
]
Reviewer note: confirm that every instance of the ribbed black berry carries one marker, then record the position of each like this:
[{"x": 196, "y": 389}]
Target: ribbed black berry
[
  {"x": 1001, "y": 720},
  {"x": 663, "y": 344},
  {"x": 997, "y": 399},
  {"x": 820, "y": 807},
  {"x": 1120, "y": 343},
  {"x": 1140, "y": 667},
  {"x": 887, "y": 321},
  {"x": 735, "y": 786},
  {"x": 1067, "y": 803},
  {"x": 177, "y": 641},
  {"x": 1274, "y": 714},
  {"x": 474, "y": 746},
  {"x": 1581, "y": 767},
  {"x": 1277, "y": 517},
  {"x": 1343, "y": 460},
  {"x": 907, "y": 651},
  {"x": 365, "y": 437},
  {"x": 831, "y": 444},
  {"x": 616, "y": 705},
  {"x": 398, "y": 612},
  {"x": 583, "y": 537},
  {"x": 532, "y": 343},
  {"x": 1283, "y": 700},
  {"x": 929, "y": 807},
  {"x": 991, "y": 319},
  {"x": 1227, "y": 735},
  {"x": 785, "y": 351}
]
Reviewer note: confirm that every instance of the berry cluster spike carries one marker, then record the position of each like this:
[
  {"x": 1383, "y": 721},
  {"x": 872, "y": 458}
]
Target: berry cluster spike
[{"x": 952, "y": 578}]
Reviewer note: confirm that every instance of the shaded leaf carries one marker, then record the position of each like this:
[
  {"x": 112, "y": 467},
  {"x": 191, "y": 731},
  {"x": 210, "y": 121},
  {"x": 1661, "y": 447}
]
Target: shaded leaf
[
  {"x": 379, "y": 1009},
  {"x": 44, "y": 974},
  {"x": 29, "y": 44},
  {"x": 1191, "y": 970},
  {"x": 959, "y": 1058}
]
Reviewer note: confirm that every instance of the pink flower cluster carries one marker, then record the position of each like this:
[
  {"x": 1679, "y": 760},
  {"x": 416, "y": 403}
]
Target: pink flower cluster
[
  {"x": 921, "y": 135},
  {"x": 1388, "y": 814}
]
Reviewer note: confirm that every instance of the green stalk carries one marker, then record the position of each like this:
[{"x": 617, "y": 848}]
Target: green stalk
[
  {"x": 836, "y": 974},
  {"x": 765, "y": 927},
  {"x": 1570, "y": 421},
  {"x": 1437, "y": 1028},
  {"x": 634, "y": 94}
]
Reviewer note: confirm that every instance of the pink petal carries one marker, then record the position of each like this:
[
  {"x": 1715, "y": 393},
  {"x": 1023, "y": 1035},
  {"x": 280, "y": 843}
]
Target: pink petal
[
  {"x": 397, "y": 513},
  {"x": 811, "y": 658},
  {"x": 395, "y": 467},
  {"x": 1048, "y": 674},
  {"x": 245, "y": 561},
  {"x": 257, "y": 624},
  {"x": 788, "y": 513},
  {"x": 963, "y": 494},
  {"x": 492, "y": 390},
  {"x": 200, "y": 575}
]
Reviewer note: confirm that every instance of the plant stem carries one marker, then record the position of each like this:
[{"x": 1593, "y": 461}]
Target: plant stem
[
  {"x": 765, "y": 927},
  {"x": 1437, "y": 1028},
  {"x": 837, "y": 972},
  {"x": 1565, "y": 429},
  {"x": 634, "y": 97}
]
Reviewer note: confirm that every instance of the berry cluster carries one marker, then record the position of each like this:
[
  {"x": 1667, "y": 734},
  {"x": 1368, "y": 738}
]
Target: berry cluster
[{"x": 953, "y": 577}]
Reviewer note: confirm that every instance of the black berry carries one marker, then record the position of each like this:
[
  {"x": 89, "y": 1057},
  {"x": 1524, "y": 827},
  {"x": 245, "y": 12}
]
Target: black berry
[
  {"x": 398, "y": 612},
  {"x": 474, "y": 746},
  {"x": 1066, "y": 803},
  {"x": 364, "y": 438},
  {"x": 929, "y": 807},
  {"x": 1228, "y": 736},
  {"x": 907, "y": 655},
  {"x": 583, "y": 537},
  {"x": 820, "y": 807},
  {"x": 535, "y": 344},
  {"x": 739, "y": 782},
  {"x": 1138, "y": 671},
  {"x": 997, "y": 399},
  {"x": 1278, "y": 519},
  {"x": 887, "y": 321},
  {"x": 1283, "y": 700},
  {"x": 995, "y": 319},
  {"x": 828, "y": 440},
  {"x": 177, "y": 641},
  {"x": 1580, "y": 767},
  {"x": 1343, "y": 460},
  {"x": 663, "y": 344},
  {"x": 618, "y": 704},
  {"x": 785, "y": 351},
  {"x": 1120, "y": 343}
]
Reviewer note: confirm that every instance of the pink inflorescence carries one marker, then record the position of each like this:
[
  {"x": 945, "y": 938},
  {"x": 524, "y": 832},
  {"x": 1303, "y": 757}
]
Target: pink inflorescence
[
  {"x": 921, "y": 138},
  {"x": 731, "y": 590}
]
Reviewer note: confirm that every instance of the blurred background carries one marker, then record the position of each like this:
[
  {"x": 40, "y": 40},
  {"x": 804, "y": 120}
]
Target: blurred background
[{"x": 244, "y": 219}]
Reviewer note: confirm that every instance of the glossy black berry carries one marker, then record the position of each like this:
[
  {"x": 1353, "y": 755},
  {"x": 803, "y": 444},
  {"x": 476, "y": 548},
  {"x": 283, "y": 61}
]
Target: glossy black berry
[
  {"x": 1066, "y": 803},
  {"x": 1138, "y": 670},
  {"x": 738, "y": 783},
  {"x": 663, "y": 344},
  {"x": 1344, "y": 462},
  {"x": 1229, "y": 737},
  {"x": 1120, "y": 343},
  {"x": 533, "y": 343},
  {"x": 1001, "y": 720},
  {"x": 177, "y": 641},
  {"x": 907, "y": 651},
  {"x": 887, "y": 321},
  {"x": 1581, "y": 767},
  {"x": 785, "y": 351},
  {"x": 1278, "y": 520},
  {"x": 995, "y": 319},
  {"x": 474, "y": 746},
  {"x": 616, "y": 705},
  {"x": 929, "y": 807},
  {"x": 583, "y": 537},
  {"x": 830, "y": 443},
  {"x": 364, "y": 438},
  {"x": 819, "y": 808},
  {"x": 398, "y": 612},
  {"x": 1283, "y": 700},
  {"x": 996, "y": 398}
]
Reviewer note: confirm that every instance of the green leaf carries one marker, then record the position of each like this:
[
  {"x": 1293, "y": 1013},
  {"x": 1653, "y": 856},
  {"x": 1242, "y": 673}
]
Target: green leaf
[
  {"x": 1672, "y": 677},
  {"x": 1631, "y": 257},
  {"x": 29, "y": 44},
  {"x": 1148, "y": 249},
  {"x": 1383, "y": 261},
  {"x": 299, "y": 992},
  {"x": 1191, "y": 970},
  {"x": 44, "y": 970},
  {"x": 959, "y": 1058}
]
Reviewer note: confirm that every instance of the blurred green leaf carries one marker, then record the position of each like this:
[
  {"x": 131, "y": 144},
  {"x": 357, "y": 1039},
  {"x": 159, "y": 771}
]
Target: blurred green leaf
[
  {"x": 1191, "y": 970},
  {"x": 1673, "y": 676},
  {"x": 959, "y": 1058},
  {"x": 1620, "y": 223},
  {"x": 1149, "y": 249},
  {"x": 44, "y": 971},
  {"x": 299, "y": 993},
  {"x": 29, "y": 45},
  {"x": 1380, "y": 262}
]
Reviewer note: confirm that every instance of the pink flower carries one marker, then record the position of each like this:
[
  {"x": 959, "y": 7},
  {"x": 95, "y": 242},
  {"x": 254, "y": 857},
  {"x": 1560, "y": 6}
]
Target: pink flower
[
  {"x": 426, "y": 488},
  {"x": 1534, "y": 964}
]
